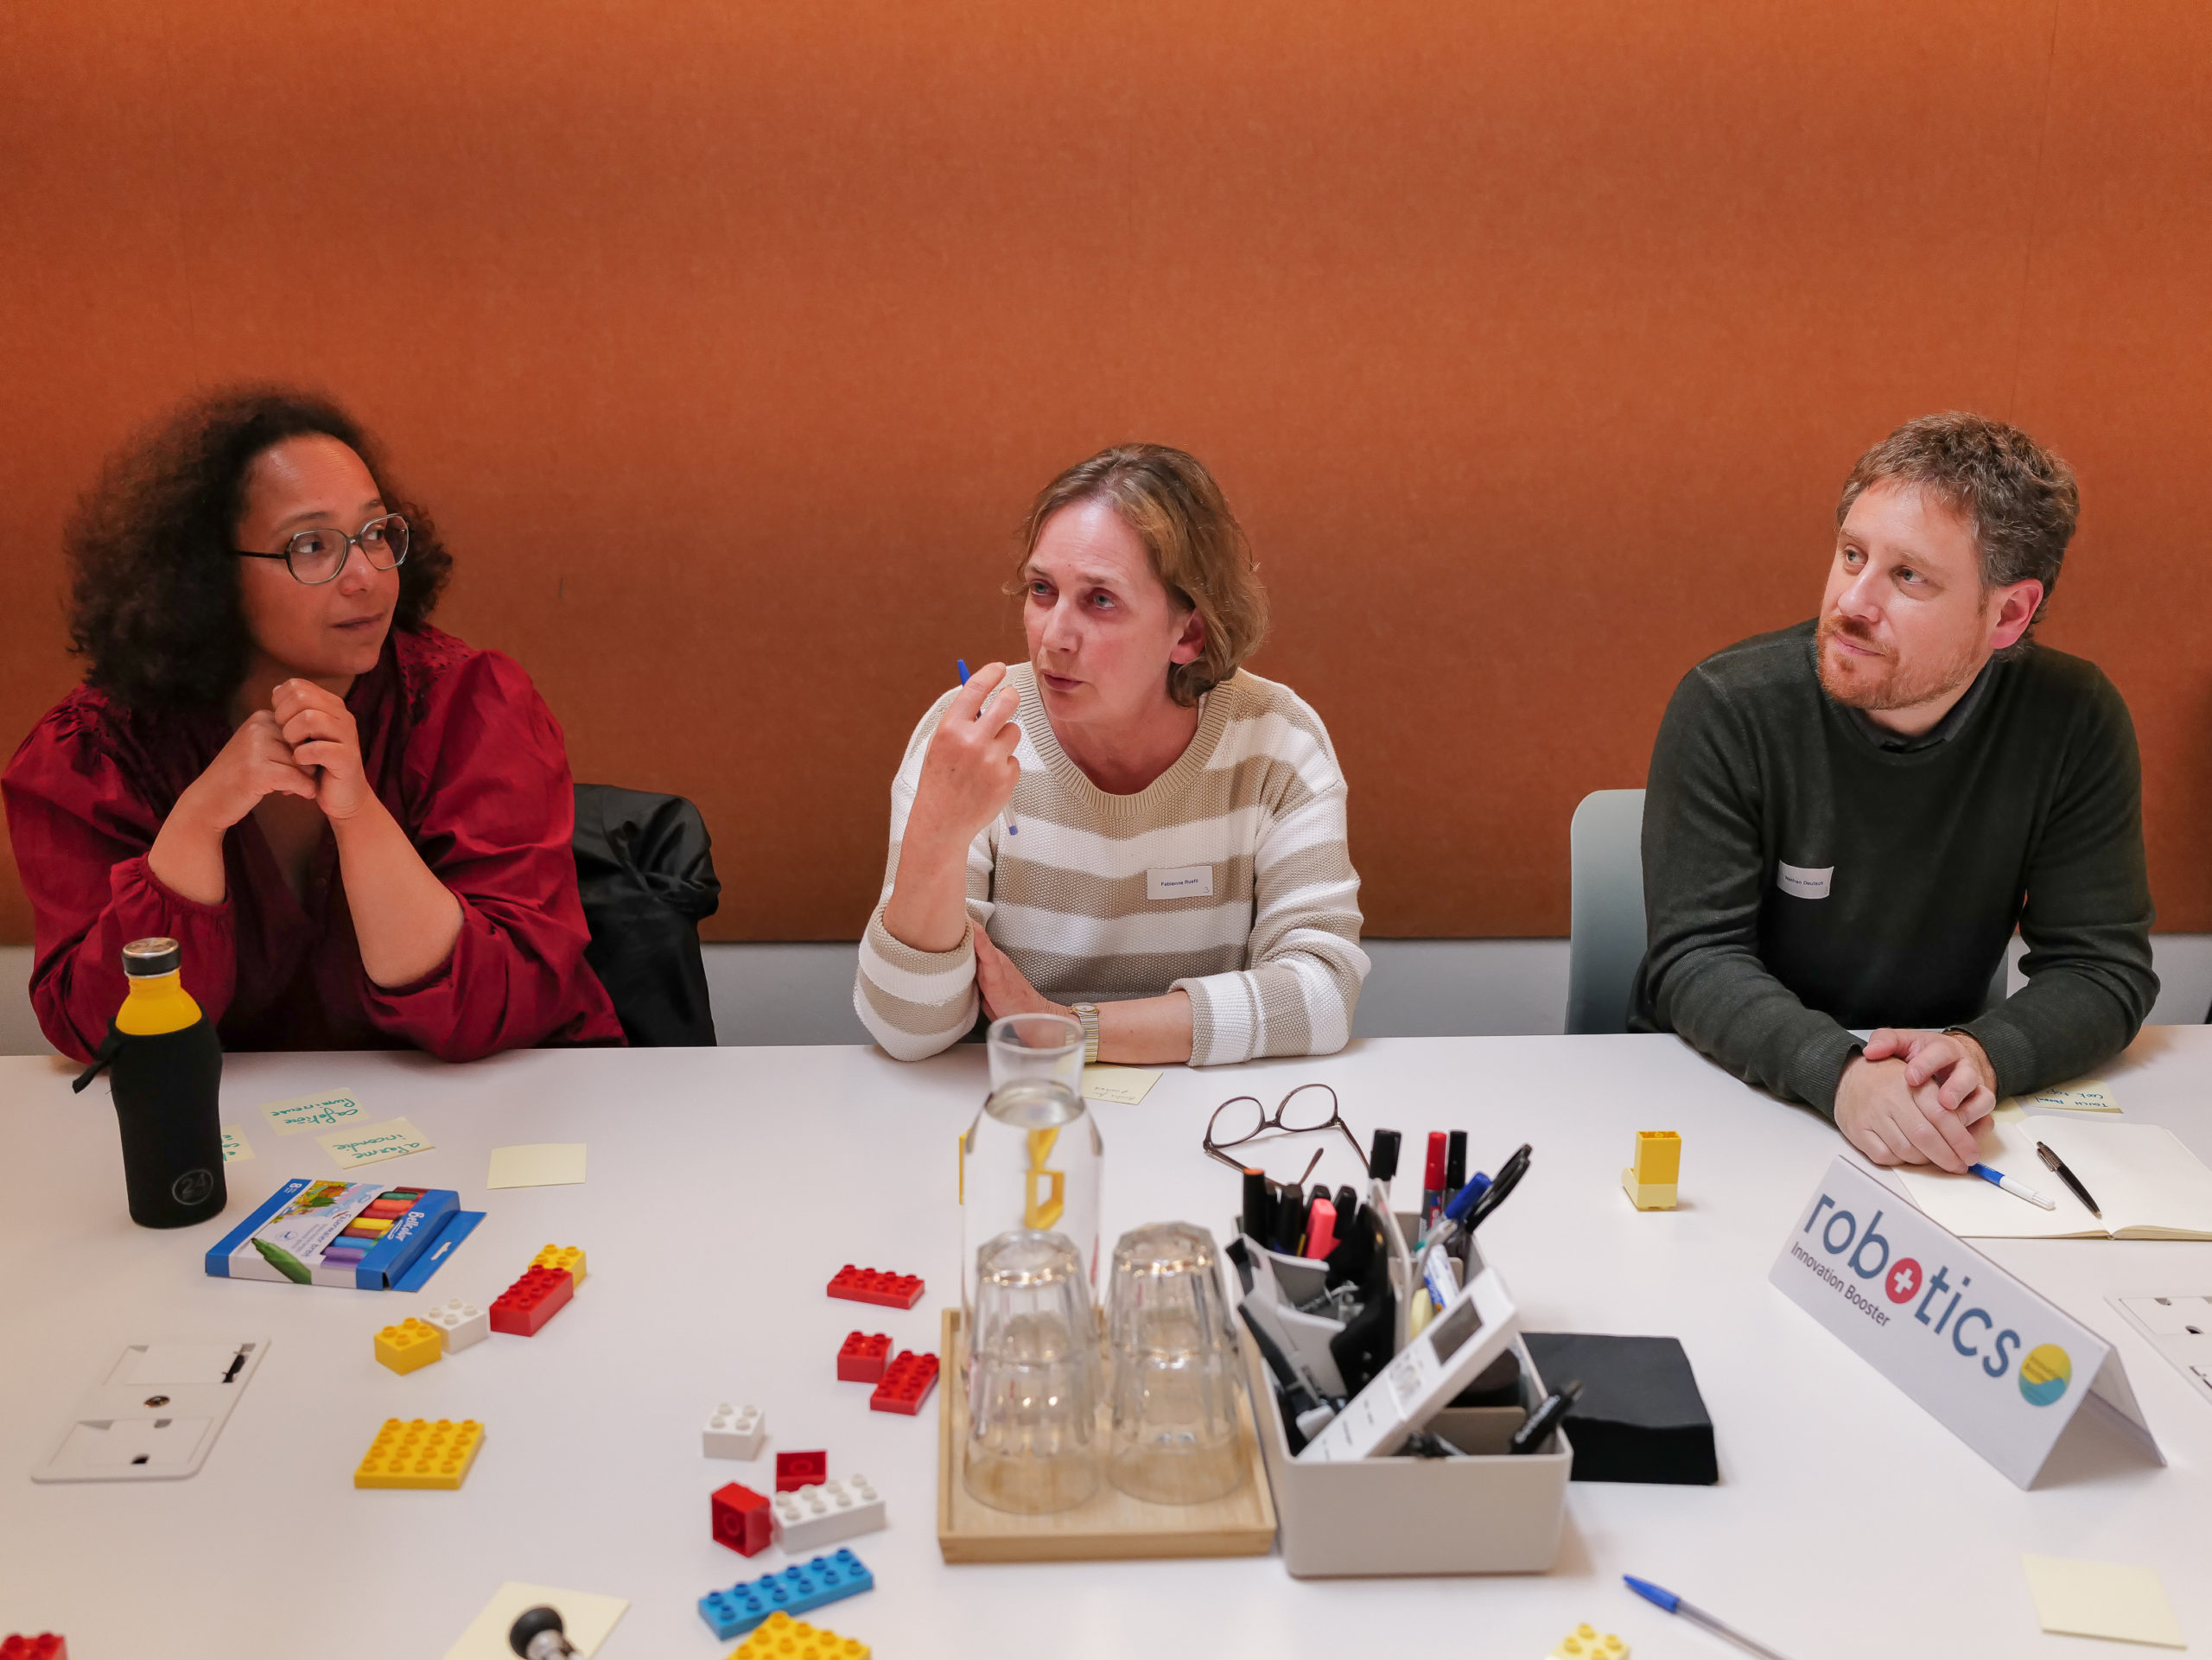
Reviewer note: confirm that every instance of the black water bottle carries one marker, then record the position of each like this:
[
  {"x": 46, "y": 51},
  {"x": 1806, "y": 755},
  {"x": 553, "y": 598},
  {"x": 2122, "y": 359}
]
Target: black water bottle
[{"x": 165, "y": 1072}]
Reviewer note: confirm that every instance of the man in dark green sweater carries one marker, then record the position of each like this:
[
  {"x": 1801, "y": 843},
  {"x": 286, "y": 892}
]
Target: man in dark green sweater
[{"x": 1846, "y": 820}]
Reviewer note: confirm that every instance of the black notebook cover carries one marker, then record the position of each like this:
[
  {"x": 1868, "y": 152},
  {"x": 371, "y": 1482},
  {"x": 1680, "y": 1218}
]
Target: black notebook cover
[{"x": 1639, "y": 1417}]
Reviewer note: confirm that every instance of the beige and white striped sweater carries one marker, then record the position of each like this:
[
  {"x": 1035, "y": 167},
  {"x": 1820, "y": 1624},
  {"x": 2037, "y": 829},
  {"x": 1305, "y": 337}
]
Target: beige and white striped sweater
[{"x": 1242, "y": 840}]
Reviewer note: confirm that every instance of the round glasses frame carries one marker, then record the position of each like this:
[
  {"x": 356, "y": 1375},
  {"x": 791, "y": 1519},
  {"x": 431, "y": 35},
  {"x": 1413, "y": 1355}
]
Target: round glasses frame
[
  {"x": 1271, "y": 1125},
  {"x": 387, "y": 533}
]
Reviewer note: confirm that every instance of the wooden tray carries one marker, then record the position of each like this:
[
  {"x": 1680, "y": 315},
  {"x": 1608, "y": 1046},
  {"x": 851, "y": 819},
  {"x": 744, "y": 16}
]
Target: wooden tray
[{"x": 1109, "y": 1524}]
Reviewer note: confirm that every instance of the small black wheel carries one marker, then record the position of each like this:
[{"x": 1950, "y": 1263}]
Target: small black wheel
[{"x": 529, "y": 1624}]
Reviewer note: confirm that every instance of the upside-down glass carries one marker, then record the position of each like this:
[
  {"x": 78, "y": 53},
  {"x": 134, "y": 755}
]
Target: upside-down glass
[
  {"x": 1176, "y": 1380},
  {"x": 1030, "y": 1160},
  {"x": 1033, "y": 1382}
]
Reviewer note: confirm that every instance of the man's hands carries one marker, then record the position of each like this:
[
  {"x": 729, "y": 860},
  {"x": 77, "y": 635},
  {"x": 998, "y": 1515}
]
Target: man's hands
[
  {"x": 1914, "y": 1098},
  {"x": 1004, "y": 988},
  {"x": 325, "y": 743}
]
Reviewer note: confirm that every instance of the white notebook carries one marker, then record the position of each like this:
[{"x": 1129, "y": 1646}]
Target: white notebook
[{"x": 2147, "y": 1184}]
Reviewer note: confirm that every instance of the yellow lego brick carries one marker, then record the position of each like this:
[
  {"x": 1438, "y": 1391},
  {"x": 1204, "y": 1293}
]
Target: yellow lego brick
[
  {"x": 1648, "y": 1195},
  {"x": 781, "y": 1637},
  {"x": 1583, "y": 1642},
  {"x": 410, "y": 1345},
  {"x": 417, "y": 1453},
  {"x": 571, "y": 1257},
  {"x": 1658, "y": 1157}
]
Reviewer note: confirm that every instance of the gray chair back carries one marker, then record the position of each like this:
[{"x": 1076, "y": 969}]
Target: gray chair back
[{"x": 1606, "y": 847}]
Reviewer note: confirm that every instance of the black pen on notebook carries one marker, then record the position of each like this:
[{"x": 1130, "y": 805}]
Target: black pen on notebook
[
  {"x": 2055, "y": 1162},
  {"x": 960, "y": 664}
]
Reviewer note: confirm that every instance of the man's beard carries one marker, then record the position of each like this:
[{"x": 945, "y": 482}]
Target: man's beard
[{"x": 1900, "y": 686}]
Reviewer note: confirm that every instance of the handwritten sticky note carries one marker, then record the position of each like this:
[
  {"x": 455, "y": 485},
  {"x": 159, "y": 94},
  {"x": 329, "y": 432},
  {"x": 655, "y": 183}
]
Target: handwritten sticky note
[
  {"x": 2109, "y": 1599},
  {"x": 545, "y": 1164},
  {"x": 313, "y": 1111},
  {"x": 2083, "y": 1095},
  {"x": 395, "y": 1138},
  {"x": 586, "y": 1619},
  {"x": 236, "y": 1148},
  {"x": 1124, "y": 1086}
]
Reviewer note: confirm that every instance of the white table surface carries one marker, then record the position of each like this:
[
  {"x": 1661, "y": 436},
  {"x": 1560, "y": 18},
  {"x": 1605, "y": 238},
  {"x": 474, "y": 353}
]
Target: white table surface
[{"x": 727, "y": 1186}]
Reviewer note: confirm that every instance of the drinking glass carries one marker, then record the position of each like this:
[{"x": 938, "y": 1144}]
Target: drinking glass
[
  {"x": 1029, "y": 1162},
  {"x": 1176, "y": 1378},
  {"x": 1033, "y": 1383}
]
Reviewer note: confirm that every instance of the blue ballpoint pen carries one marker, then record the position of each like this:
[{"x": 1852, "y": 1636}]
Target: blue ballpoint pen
[
  {"x": 1675, "y": 1605},
  {"x": 961, "y": 662},
  {"x": 2018, "y": 1189}
]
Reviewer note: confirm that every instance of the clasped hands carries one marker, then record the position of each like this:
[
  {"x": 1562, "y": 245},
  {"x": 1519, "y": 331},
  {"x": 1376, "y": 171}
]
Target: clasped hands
[
  {"x": 304, "y": 744},
  {"x": 1914, "y": 1097}
]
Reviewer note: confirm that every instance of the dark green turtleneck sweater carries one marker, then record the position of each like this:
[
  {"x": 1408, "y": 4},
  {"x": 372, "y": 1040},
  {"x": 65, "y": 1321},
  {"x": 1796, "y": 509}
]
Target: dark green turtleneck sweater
[{"x": 1801, "y": 878}]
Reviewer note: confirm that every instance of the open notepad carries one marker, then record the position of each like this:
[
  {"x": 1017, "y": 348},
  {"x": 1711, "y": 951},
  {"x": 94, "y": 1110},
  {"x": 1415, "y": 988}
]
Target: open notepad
[{"x": 2148, "y": 1185}]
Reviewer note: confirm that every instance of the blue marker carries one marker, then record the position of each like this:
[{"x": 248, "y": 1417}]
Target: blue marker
[
  {"x": 1675, "y": 1605},
  {"x": 960, "y": 664},
  {"x": 2019, "y": 1190}
]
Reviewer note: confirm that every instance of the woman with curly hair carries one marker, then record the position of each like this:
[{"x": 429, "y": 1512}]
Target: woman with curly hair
[{"x": 357, "y": 827}]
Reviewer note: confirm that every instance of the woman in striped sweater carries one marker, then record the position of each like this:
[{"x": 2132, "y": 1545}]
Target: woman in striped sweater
[{"x": 1127, "y": 828}]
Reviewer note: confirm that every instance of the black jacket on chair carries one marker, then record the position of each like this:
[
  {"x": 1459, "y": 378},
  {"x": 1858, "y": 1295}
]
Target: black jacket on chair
[{"x": 645, "y": 868}]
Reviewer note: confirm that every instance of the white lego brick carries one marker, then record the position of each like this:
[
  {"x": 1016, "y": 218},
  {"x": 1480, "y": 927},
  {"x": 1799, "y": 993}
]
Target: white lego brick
[
  {"x": 734, "y": 1431},
  {"x": 459, "y": 1324},
  {"x": 810, "y": 1517}
]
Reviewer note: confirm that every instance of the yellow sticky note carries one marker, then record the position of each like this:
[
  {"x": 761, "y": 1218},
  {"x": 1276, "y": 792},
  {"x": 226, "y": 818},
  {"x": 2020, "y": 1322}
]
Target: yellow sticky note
[
  {"x": 236, "y": 1148},
  {"x": 1124, "y": 1086},
  {"x": 544, "y": 1164},
  {"x": 585, "y": 1618},
  {"x": 2083, "y": 1095},
  {"x": 2109, "y": 1599},
  {"x": 313, "y": 1111},
  {"x": 395, "y": 1138}
]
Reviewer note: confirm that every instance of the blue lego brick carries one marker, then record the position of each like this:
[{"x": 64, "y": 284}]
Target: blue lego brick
[{"x": 795, "y": 1591}]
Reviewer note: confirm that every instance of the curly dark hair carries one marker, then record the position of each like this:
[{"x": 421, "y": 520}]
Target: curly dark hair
[{"x": 154, "y": 605}]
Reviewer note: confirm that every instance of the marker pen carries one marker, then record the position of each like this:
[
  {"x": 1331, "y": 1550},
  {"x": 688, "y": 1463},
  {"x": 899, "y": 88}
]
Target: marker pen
[
  {"x": 1259, "y": 1205},
  {"x": 961, "y": 662},
  {"x": 1383, "y": 1157},
  {"x": 1321, "y": 1229},
  {"x": 1432, "y": 1185},
  {"x": 1455, "y": 1163}
]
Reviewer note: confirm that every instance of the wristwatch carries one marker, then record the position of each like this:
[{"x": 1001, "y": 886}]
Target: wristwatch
[{"x": 1088, "y": 1013}]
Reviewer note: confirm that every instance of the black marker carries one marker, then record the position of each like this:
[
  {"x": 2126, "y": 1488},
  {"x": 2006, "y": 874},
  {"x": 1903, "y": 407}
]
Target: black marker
[
  {"x": 2067, "y": 1176},
  {"x": 1259, "y": 1204},
  {"x": 1382, "y": 1156},
  {"x": 1545, "y": 1419},
  {"x": 1455, "y": 1163}
]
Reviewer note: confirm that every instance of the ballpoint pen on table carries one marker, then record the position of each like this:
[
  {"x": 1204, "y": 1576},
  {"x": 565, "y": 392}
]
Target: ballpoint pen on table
[
  {"x": 2019, "y": 1190},
  {"x": 1675, "y": 1605},
  {"x": 961, "y": 662},
  {"x": 2067, "y": 1176}
]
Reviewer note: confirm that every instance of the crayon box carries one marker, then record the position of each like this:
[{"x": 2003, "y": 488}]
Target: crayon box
[{"x": 364, "y": 1234}]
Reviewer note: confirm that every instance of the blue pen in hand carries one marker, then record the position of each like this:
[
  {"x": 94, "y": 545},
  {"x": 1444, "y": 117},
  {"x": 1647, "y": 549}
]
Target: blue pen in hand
[
  {"x": 1675, "y": 1605},
  {"x": 960, "y": 664}
]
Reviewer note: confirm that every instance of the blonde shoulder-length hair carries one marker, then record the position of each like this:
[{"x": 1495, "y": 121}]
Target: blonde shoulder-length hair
[{"x": 1197, "y": 548}]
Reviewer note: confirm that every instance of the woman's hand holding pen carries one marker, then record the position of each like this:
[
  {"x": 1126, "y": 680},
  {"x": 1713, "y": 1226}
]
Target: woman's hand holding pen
[{"x": 968, "y": 777}]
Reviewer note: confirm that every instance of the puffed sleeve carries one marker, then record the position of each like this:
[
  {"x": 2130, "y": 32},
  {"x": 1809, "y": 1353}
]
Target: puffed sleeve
[
  {"x": 490, "y": 806},
  {"x": 80, "y": 830}
]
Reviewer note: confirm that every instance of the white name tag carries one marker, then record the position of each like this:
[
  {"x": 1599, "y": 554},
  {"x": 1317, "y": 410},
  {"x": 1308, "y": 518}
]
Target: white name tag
[
  {"x": 1805, "y": 884},
  {"x": 1190, "y": 882},
  {"x": 1998, "y": 1365}
]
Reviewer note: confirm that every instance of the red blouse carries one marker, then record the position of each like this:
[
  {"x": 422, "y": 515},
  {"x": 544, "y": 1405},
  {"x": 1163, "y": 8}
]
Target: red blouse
[{"x": 456, "y": 743}]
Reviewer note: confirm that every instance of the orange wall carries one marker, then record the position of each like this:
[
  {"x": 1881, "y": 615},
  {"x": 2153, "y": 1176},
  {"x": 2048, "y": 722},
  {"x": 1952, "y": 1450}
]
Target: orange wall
[{"x": 1533, "y": 339}]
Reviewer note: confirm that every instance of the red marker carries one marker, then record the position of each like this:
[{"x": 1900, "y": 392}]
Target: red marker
[
  {"x": 1321, "y": 1229},
  {"x": 1432, "y": 1184}
]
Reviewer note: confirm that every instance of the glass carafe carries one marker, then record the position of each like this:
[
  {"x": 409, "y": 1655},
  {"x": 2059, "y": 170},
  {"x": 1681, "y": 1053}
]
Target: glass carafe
[{"x": 1029, "y": 1162}]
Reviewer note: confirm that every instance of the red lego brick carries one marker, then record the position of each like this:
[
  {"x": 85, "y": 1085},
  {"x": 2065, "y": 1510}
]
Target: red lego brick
[
  {"x": 905, "y": 1385},
  {"x": 743, "y": 1520},
  {"x": 885, "y": 1290},
  {"x": 862, "y": 1359},
  {"x": 525, "y": 1306},
  {"x": 797, "y": 1470},
  {"x": 45, "y": 1646}
]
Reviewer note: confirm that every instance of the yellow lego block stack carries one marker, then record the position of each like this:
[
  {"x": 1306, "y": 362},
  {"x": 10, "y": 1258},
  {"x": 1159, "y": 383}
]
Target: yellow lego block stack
[
  {"x": 571, "y": 1257},
  {"x": 781, "y": 1637},
  {"x": 417, "y": 1453},
  {"x": 1650, "y": 1182},
  {"x": 410, "y": 1345},
  {"x": 1583, "y": 1643}
]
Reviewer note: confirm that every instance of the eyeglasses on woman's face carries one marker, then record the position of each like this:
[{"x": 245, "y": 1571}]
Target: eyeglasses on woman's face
[{"x": 317, "y": 556}]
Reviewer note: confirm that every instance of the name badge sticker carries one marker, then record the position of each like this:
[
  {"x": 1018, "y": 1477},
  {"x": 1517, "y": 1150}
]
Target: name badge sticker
[
  {"x": 1187, "y": 882},
  {"x": 1797, "y": 880}
]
